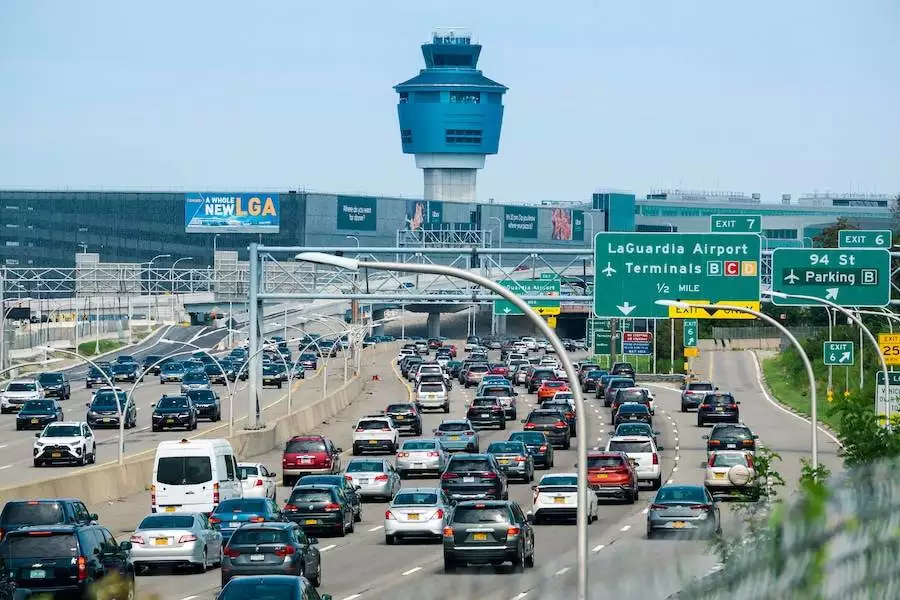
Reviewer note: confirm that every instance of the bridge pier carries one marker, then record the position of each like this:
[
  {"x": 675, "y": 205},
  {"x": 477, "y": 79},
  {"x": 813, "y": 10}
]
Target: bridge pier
[{"x": 433, "y": 325}]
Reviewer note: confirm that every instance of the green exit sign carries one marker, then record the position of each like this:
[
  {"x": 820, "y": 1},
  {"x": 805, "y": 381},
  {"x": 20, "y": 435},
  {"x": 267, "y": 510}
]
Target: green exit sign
[
  {"x": 838, "y": 353},
  {"x": 852, "y": 238},
  {"x": 845, "y": 276},
  {"x": 735, "y": 223},
  {"x": 690, "y": 333}
]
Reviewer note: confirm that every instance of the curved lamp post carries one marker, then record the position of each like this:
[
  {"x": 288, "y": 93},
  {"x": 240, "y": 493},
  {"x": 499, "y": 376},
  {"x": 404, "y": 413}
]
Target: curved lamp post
[
  {"x": 581, "y": 547},
  {"x": 814, "y": 442}
]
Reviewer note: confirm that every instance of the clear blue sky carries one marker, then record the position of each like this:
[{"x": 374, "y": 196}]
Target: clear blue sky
[{"x": 769, "y": 96}]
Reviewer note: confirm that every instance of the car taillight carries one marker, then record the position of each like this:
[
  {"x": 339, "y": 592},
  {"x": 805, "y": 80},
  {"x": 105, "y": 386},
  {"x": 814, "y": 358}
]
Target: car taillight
[
  {"x": 732, "y": 406},
  {"x": 389, "y": 515},
  {"x": 561, "y": 424},
  {"x": 655, "y": 458},
  {"x": 433, "y": 454},
  {"x": 82, "y": 568},
  {"x": 570, "y": 415},
  {"x": 513, "y": 531},
  {"x": 521, "y": 459},
  {"x": 215, "y": 520},
  {"x": 257, "y": 519},
  {"x": 712, "y": 460},
  {"x": 381, "y": 477},
  {"x": 332, "y": 507},
  {"x": 284, "y": 551},
  {"x": 136, "y": 539},
  {"x": 449, "y": 476},
  {"x": 747, "y": 442},
  {"x": 187, "y": 538},
  {"x": 258, "y": 483},
  {"x": 542, "y": 449},
  {"x": 216, "y": 494},
  {"x": 438, "y": 514},
  {"x": 448, "y": 532},
  {"x": 698, "y": 507},
  {"x": 152, "y": 496},
  {"x": 714, "y": 442},
  {"x": 402, "y": 454},
  {"x": 231, "y": 552},
  {"x": 529, "y": 426},
  {"x": 359, "y": 430},
  {"x": 658, "y": 507},
  {"x": 385, "y": 429},
  {"x": 469, "y": 433},
  {"x": 438, "y": 433},
  {"x": 287, "y": 508},
  {"x": 489, "y": 475},
  {"x": 704, "y": 406},
  {"x": 749, "y": 461}
]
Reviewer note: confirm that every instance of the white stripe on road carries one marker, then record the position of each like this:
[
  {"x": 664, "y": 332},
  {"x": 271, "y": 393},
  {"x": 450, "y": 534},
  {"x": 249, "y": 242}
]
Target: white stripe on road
[
  {"x": 669, "y": 481},
  {"x": 597, "y": 548},
  {"x": 5, "y": 467},
  {"x": 353, "y": 597},
  {"x": 674, "y": 469},
  {"x": 189, "y": 598},
  {"x": 411, "y": 571},
  {"x": 329, "y": 547},
  {"x": 2, "y": 446},
  {"x": 519, "y": 596},
  {"x": 562, "y": 571},
  {"x": 377, "y": 528},
  {"x": 645, "y": 511},
  {"x": 626, "y": 527}
]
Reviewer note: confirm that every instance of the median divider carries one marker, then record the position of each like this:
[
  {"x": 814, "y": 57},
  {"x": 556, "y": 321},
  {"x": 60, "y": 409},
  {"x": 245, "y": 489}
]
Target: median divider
[{"x": 109, "y": 482}]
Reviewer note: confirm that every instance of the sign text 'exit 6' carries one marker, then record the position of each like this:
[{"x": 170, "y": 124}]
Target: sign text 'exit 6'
[{"x": 838, "y": 353}]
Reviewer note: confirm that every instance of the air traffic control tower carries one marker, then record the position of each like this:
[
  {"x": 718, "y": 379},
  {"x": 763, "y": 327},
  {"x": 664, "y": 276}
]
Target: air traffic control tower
[{"x": 450, "y": 116}]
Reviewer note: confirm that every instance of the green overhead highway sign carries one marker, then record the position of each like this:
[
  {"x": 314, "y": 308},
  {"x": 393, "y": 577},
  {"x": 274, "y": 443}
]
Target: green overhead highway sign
[
  {"x": 547, "y": 285},
  {"x": 735, "y": 223},
  {"x": 838, "y": 353},
  {"x": 690, "y": 333},
  {"x": 633, "y": 270},
  {"x": 598, "y": 332},
  {"x": 853, "y": 238},
  {"x": 858, "y": 277}
]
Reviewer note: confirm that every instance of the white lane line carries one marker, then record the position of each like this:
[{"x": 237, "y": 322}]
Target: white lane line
[
  {"x": 674, "y": 469},
  {"x": 411, "y": 571},
  {"x": 377, "y": 528},
  {"x": 625, "y": 527},
  {"x": 189, "y": 598},
  {"x": 669, "y": 481},
  {"x": 519, "y": 596},
  {"x": 597, "y": 548},
  {"x": 2, "y": 446},
  {"x": 5, "y": 467},
  {"x": 563, "y": 571},
  {"x": 353, "y": 597},
  {"x": 328, "y": 547},
  {"x": 676, "y": 457},
  {"x": 646, "y": 510}
]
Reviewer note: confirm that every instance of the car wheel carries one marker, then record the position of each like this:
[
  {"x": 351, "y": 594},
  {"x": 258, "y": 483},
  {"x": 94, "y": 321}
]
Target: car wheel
[
  {"x": 699, "y": 422},
  {"x": 37, "y": 463},
  {"x": 683, "y": 407},
  {"x": 631, "y": 498},
  {"x": 84, "y": 458},
  {"x": 342, "y": 530},
  {"x": 204, "y": 564},
  {"x": 316, "y": 580},
  {"x": 358, "y": 516},
  {"x": 657, "y": 483},
  {"x": 519, "y": 564},
  {"x": 650, "y": 534},
  {"x": 390, "y": 540},
  {"x": 446, "y": 410},
  {"x": 567, "y": 445},
  {"x": 529, "y": 560},
  {"x": 94, "y": 455},
  {"x": 503, "y": 424},
  {"x": 351, "y": 528},
  {"x": 18, "y": 427},
  {"x": 449, "y": 564},
  {"x": 155, "y": 428}
]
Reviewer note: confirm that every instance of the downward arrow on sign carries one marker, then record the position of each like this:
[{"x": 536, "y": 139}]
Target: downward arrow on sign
[{"x": 626, "y": 308}]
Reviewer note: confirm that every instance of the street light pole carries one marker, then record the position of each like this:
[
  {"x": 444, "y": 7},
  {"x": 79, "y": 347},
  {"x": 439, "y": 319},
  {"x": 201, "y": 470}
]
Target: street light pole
[
  {"x": 149, "y": 271},
  {"x": 172, "y": 271},
  {"x": 581, "y": 547}
]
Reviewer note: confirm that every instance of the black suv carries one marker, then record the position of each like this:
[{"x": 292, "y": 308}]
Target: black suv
[
  {"x": 101, "y": 374},
  {"x": 718, "y": 407},
  {"x": 474, "y": 476},
  {"x": 151, "y": 364},
  {"x": 630, "y": 412},
  {"x": 55, "y": 384},
  {"x": 320, "y": 508},
  {"x": 693, "y": 394},
  {"x": 537, "y": 378},
  {"x": 622, "y": 369},
  {"x": 406, "y": 417},
  {"x": 103, "y": 409},
  {"x": 125, "y": 371},
  {"x": 207, "y": 403},
  {"x": 174, "y": 411},
  {"x": 730, "y": 437},
  {"x": 551, "y": 423},
  {"x": 46, "y": 511},
  {"x": 64, "y": 560},
  {"x": 492, "y": 532},
  {"x": 487, "y": 411}
]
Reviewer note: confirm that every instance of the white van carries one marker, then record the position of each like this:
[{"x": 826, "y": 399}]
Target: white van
[{"x": 194, "y": 476}]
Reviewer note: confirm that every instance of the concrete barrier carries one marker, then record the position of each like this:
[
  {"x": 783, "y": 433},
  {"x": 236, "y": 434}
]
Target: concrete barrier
[{"x": 108, "y": 482}]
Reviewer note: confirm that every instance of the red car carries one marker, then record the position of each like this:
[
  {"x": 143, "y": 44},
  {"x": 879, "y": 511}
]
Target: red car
[
  {"x": 611, "y": 475},
  {"x": 309, "y": 455},
  {"x": 499, "y": 369},
  {"x": 452, "y": 348}
]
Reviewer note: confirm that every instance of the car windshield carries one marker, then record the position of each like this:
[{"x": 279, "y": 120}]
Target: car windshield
[
  {"x": 55, "y": 545},
  {"x": 543, "y": 374},
  {"x": 307, "y": 356},
  {"x": 630, "y": 396},
  {"x": 729, "y": 460},
  {"x": 62, "y": 431},
  {"x": 246, "y": 471},
  {"x": 544, "y": 418},
  {"x": 306, "y": 495},
  {"x": 418, "y": 445},
  {"x": 488, "y": 514},
  {"x": 559, "y": 480},
  {"x": 600, "y": 462},
  {"x": 631, "y": 447},
  {"x": 259, "y": 536},
  {"x": 431, "y": 388},
  {"x": 469, "y": 464},
  {"x": 719, "y": 399},
  {"x": 172, "y": 367},
  {"x": 167, "y": 522},
  {"x": 633, "y": 408},
  {"x": 700, "y": 387},
  {"x": 497, "y": 391},
  {"x": 304, "y": 446},
  {"x": 38, "y": 406},
  {"x": 484, "y": 402},
  {"x": 633, "y": 429},
  {"x": 202, "y": 396},
  {"x": 242, "y": 505},
  {"x": 106, "y": 400},
  {"x": 681, "y": 494},
  {"x": 122, "y": 367},
  {"x": 621, "y": 383},
  {"x": 195, "y": 377},
  {"x": 557, "y": 405},
  {"x": 454, "y": 427},
  {"x": 184, "y": 470},
  {"x": 427, "y": 498},
  {"x": 50, "y": 378},
  {"x": 373, "y": 425},
  {"x": 21, "y": 386},
  {"x": 478, "y": 369},
  {"x": 365, "y": 466},
  {"x": 32, "y": 513},
  {"x": 731, "y": 433},
  {"x": 171, "y": 402},
  {"x": 399, "y": 408},
  {"x": 596, "y": 374},
  {"x": 506, "y": 447},
  {"x": 528, "y": 437}
]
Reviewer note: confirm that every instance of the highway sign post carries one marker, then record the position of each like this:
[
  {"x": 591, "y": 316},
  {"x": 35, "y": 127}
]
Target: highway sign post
[
  {"x": 638, "y": 343},
  {"x": 690, "y": 333},
  {"x": 633, "y": 270},
  {"x": 838, "y": 354},
  {"x": 547, "y": 285},
  {"x": 857, "y": 277},
  {"x": 890, "y": 347},
  {"x": 857, "y": 238},
  {"x": 735, "y": 223}
]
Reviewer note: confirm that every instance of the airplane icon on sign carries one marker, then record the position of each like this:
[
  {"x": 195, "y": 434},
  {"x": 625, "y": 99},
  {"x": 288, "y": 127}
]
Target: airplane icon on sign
[
  {"x": 608, "y": 271},
  {"x": 791, "y": 277}
]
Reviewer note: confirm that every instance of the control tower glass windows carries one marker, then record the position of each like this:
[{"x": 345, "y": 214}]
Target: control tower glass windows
[
  {"x": 406, "y": 136},
  {"x": 463, "y": 136},
  {"x": 453, "y": 60},
  {"x": 465, "y": 98},
  {"x": 404, "y": 97},
  {"x": 432, "y": 97}
]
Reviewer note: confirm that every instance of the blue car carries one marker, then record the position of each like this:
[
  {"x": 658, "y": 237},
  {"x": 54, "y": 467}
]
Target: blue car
[
  {"x": 458, "y": 435},
  {"x": 308, "y": 360},
  {"x": 171, "y": 372},
  {"x": 231, "y": 514}
]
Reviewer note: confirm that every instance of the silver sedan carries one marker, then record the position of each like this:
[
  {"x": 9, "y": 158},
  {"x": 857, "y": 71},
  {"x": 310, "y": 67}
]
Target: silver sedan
[
  {"x": 178, "y": 539},
  {"x": 421, "y": 456},
  {"x": 416, "y": 513},
  {"x": 375, "y": 477}
]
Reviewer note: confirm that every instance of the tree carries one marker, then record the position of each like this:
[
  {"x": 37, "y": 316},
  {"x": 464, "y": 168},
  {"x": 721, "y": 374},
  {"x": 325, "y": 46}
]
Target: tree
[{"x": 828, "y": 238}]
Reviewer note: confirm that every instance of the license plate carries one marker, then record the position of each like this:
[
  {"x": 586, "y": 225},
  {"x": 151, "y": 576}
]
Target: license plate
[
  {"x": 231, "y": 525},
  {"x": 485, "y": 415},
  {"x": 731, "y": 446},
  {"x": 107, "y": 420},
  {"x": 170, "y": 420},
  {"x": 373, "y": 441},
  {"x": 37, "y": 574},
  {"x": 306, "y": 460},
  {"x": 559, "y": 500},
  {"x": 169, "y": 509},
  {"x": 479, "y": 537},
  {"x": 399, "y": 418},
  {"x": 363, "y": 481},
  {"x": 56, "y": 455},
  {"x": 34, "y": 421},
  {"x": 720, "y": 409},
  {"x": 468, "y": 480},
  {"x": 504, "y": 461},
  {"x": 413, "y": 516},
  {"x": 161, "y": 541},
  {"x": 454, "y": 438},
  {"x": 719, "y": 475},
  {"x": 257, "y": 557},
  {"x": 678, "y": 524},
  {"x": 310, "y": 522},
  {"x": 602, "y": 476}
]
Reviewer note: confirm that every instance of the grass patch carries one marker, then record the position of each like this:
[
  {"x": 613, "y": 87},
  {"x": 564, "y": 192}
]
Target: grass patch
[
  {"x": 90, "y": 348},
  {"x": 789, "y": 386}
]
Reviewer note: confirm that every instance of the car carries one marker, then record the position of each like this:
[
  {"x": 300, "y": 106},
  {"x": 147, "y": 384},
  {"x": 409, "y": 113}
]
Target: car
[
  {"x": 309, "y": 455},
  {"x": 499, "y": 369},
  {"x": 271, "y": 548},
  {"x": 612, "y": 475},
  {"x": 537, "y": 444},
  {"x": 66, "y": 442},
  {"x": 567, "y": 408},
  {"x": 181, "y": 539},
  {"x": 486, "y": 412},
  {"x": 216, "y": 372},
  {"x": 406, "y": 417},
  {"x": 694, "y": 392},
  {"x": 434, "y": 343},
  {"x": 298, "y": 371},
  {"x": 207, "y": 403},
  {"x": 431, "y": 396},
  {"x": 36, "y": 414},
  {"x": 514, "y": 459},
  {"x": 612, "y": 386},
  {"x": 728, "y": 436},
  {"x": 458, "y": 435},
  {"x": 172, "y": 372},
  {"x": 556, "y": 498},
  {"x": 320, "y": 508},
  {"x": 308, "y": 360},
  {"x": 232, "y": 514},
  {"x": 422, "y": 347},
  {"x": 472, "y": 342},
  {"x": 683, "y": 508},
  {"x": 632, "y": 411},
  {"x": 125, "y": 371},
  {"x": 474, "y": 476},
  {"x": 101, "y": 374},
  {"x": 55, "y": 384},
  {"x": 453, "y": 368},
  {"x": 104, "y": 408},
  {"x": 151, "y": 364},
  {"x": 635, "y": 428},
  {"x": 537, "y": 376},
  {"x": 600, "y": 390},
  {"x": 416, "y": 513},
  {"x": 475, "y": 373},
  {"x": 173, "y": 411},
  {"x": 552, "y": 423},
  {"x": 502, "y": 391},
  {"x": 591, "y": 379},
  {"x": 68, "y": 559},
  {"x": 344, "y": 484},
  {"x": 257, "y": 481},
  {"x": 583, "y": 369},
  {"x": 530, "y": 343},
  {"x": 421, "y": 456},
  {"x": 272, "y": 375},
  {"x": 625, "y": 369},
  {"x": 18, "y": 392},
  {"x": 634, "y": 394},
  {"x": 375, "y": 433},
  {"x": 374, "y": 477},
  {"x": 44, "y": 511},
  {"x": 488, "y": 532},
  {"x": 730, "y": 472},
  {"x": 718, "y": 407},
  {"x": 643, "y": 453},
  {"x": 282, "y": 587}
]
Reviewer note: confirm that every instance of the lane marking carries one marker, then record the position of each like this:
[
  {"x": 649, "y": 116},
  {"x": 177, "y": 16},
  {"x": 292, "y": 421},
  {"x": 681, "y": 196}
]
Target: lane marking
[
  {"x": 189, "y": 598},
  {"x": 669, "y": 481},
  {"x": 2, "y": 445},
  {"x": 646, "y": 510},
  {"x": 519, "y": 596},
  {"x": 563, "y": 571},
  {"x": 625, "y": 528},
  {"x": 352, "y": 596},
  {"x": 676, "y": 459},
  {"x": 329, "y": 547},
  {"x": 377, "y": 528},
  {"x": 7, "y": 466},
  {"x": 597, "y": 548},
  {"x": 411, "y": 571}
]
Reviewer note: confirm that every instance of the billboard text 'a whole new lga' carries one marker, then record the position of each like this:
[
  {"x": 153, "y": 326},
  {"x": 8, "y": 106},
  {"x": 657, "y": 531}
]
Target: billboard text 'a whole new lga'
[{"x": 206, "y": 212}]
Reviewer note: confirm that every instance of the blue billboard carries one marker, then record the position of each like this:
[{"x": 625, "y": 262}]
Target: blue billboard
[{"x": 226, "y": 212}]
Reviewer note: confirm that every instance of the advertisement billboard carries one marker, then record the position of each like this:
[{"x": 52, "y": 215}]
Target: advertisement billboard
[
  {"x": 422, "y": 212},
  {"x": 226, "y": 212},
  {"x": 561, "y": 224},
  {"x": 520, "y": 222},
  {"x": 357, "y": 213}
]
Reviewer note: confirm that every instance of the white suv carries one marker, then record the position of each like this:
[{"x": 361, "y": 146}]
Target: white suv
[
  {"x": 65, "y": 442},
  {"x": 643, "y": 453},
  {"x": 530, "y": 343},
  {"x": 375, "y": 433},
  {"x": 17, "y": 392},
  {"x": 433, "y": 396}
]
